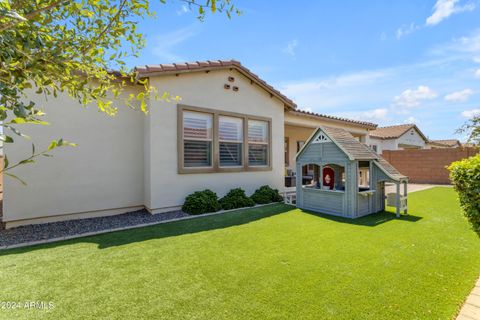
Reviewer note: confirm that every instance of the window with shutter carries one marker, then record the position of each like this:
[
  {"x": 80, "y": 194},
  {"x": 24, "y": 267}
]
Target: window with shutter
[
  {"x": 258, "y": 147},
  {"x": 230, "y": 137},
  {"x": 197, "y": 139},
  {"x": 211, "y": 140}
]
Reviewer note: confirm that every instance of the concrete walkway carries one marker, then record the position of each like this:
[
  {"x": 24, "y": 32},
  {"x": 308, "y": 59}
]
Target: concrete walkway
[
  {"x": 412, "y": 187},
  {"x": 471, "y": 308}
]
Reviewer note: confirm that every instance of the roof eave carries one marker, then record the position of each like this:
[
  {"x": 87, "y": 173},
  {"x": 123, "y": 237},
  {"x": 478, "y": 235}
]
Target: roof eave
[{"x": 288, "y": 104}]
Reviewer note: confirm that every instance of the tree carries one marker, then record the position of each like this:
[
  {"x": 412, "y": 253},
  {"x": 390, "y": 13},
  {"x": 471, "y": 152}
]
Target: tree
[
  {"x": 472, "y": 128},
  {"x": 71, "y": 46}
]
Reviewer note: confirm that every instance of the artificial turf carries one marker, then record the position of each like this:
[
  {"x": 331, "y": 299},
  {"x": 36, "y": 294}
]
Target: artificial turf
[{"x": 262, "y": 263}]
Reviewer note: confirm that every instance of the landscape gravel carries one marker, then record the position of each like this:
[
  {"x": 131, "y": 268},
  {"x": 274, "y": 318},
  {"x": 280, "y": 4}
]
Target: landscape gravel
[{"x": 53, "y": 230}]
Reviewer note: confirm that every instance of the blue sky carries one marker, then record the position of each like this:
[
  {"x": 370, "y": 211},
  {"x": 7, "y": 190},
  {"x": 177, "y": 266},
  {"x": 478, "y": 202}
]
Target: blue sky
[{"x": 389, "y": 62}]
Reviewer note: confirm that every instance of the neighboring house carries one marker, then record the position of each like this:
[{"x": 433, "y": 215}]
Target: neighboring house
[
  {"x": 398, "y": 137},
  {"x": 442, "y": 144},
  {"x": 231, "y": 129}
]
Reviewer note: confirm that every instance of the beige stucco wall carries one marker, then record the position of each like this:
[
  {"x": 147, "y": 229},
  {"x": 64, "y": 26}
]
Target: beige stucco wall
[
  {"x": 168, "y": 188},
  {"x": 102, "y": 175}
]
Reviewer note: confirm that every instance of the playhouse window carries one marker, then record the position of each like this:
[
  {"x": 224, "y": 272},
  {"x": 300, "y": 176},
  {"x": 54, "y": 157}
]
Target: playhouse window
[
  {"x": 363, "y": 175},
  {"x": 326, "y": 177}
]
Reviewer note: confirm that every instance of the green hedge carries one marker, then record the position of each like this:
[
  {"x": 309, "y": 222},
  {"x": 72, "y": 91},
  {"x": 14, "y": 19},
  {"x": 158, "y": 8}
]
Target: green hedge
[
  {"x": 465, "y": 176},
  {"x": 236, "y": 198},
  {"x": 265, "y": 194},
  {"x": 201, "y": 202}
]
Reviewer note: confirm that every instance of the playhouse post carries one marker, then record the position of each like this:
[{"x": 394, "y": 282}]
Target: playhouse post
[
  {"x": 405, "y": 193},
  {"x": 398, "y": 199}
]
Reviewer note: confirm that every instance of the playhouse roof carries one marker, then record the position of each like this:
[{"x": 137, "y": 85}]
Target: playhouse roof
[
  {"x": 389, "y": 169},
  {"x": 355, "y": 150}
]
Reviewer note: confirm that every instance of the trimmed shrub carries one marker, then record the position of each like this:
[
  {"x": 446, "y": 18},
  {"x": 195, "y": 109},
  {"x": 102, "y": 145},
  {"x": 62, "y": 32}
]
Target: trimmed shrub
[
  {"x": 236, "y": 198},
  {"x": 201, "y": 202},
  {"x": 465, "y": 176},
  {"x": 265, "y": 194}
]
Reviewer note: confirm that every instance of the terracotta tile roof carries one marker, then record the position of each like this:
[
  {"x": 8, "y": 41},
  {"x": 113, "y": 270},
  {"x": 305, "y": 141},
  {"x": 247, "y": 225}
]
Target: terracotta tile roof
[
  {"x": 368, "y": 125},
  {"x": 349, "y": 144},
  {"x": 163, "y": 69},
  {"x": 393, "y": 132},
  {"x": 447, "y": 142}
]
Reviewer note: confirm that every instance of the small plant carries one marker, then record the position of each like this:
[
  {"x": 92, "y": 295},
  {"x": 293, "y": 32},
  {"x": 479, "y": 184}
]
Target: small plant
[
  {"x": 236, "y": 198},
  {"x": 201, "y": 202},
  {"x": 465, "y": 176},
  {"x": 265, "y": 194}
]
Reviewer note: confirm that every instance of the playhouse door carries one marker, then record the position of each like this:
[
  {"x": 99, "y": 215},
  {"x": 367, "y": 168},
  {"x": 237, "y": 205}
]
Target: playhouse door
[{"x": 328, "y": 177}]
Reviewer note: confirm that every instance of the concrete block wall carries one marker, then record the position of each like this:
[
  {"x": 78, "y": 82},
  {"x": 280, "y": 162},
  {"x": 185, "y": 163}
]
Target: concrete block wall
[{"x": 427, "y": 165}]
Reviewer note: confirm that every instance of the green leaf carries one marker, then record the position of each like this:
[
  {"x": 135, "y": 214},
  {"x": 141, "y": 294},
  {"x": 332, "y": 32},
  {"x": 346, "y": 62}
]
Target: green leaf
[
  {"x": 52, "y": 145},
  {"x": 15, "y": 177},
  {"x": 6, "y": 139}
]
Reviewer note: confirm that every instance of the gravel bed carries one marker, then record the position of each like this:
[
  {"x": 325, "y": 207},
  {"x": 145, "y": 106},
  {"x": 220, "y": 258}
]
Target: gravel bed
[{"x": 53, "y": 230}]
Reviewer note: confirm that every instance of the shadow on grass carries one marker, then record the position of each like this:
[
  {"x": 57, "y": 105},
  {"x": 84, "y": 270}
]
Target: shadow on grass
[
  {"x": 371, "y": 220},
  {"x": 169, "y": 229}
]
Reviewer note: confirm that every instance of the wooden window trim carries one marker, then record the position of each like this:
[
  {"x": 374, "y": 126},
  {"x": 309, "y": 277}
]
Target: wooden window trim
[{"x": 215, "y": 168}]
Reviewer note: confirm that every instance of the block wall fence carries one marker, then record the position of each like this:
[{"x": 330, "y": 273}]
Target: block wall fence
[{"x": 427, "y": 165}]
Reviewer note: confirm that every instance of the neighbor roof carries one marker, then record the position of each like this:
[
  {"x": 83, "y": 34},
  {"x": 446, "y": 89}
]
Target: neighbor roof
[
  {"x": 447, "y": 142},
  {"x": 197, "y": 66},
  {"x": 393, "y": 132},
  {"x": 365, "y": 124}
]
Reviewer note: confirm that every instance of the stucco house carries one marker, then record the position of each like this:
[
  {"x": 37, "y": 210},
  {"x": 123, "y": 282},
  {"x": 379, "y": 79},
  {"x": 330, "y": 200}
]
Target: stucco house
[
  {"x": 397, "y": 137},
  {"x": 230, "y": 129}
]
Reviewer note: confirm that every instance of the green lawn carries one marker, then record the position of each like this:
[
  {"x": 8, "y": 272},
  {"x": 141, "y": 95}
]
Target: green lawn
[{"x": 271, "y": 262}]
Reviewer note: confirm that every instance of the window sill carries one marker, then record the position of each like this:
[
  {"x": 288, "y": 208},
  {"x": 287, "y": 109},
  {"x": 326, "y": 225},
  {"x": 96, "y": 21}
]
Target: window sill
[{"x": 223, "y": 169}]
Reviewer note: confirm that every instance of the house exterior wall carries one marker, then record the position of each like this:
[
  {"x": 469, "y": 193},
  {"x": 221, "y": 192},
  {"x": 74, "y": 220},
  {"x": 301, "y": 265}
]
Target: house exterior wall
[
  {"x": 411, "y": 140},
  {"x": 387, "y": 144},
  {"x": 102, "y": 175},
  {"x": 168, "y": 188},
  {"x": 129, "y": 161}
]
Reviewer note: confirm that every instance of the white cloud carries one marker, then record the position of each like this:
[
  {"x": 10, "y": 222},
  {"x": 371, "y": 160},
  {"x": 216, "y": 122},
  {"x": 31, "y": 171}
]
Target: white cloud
[
  {"x": 412, "y": 97},
  {"x": 183, "y": 9},
  {"x": 406, "y": 30},
  {"x": 346, "y": 80},
  {"x": 445, "y": 8},
  {"x": 163, "y": 45},
  {"x": 380, "y": 114},
  {"x": 477, "y": 74},
  {"x": 290, "y": 48},
  {"x": 459, "y": 96},
  {"x": 476, "y": 59},
  {"x": 411, "y": 120},
  {"x": 471, "y": 113}
]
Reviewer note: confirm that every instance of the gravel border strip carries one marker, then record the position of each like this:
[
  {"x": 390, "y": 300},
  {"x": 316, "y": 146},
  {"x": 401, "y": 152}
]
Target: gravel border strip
[{"x": 109, "y": 230}]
